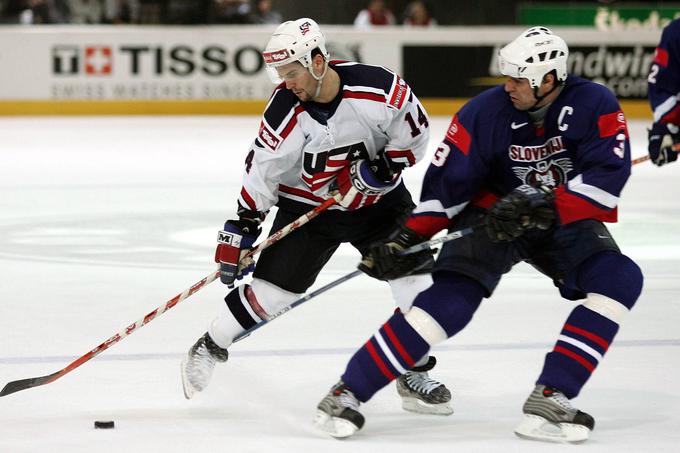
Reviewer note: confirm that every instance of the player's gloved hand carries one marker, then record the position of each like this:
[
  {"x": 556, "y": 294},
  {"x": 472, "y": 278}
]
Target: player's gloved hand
[
  {"x": 233, "y": 243},
  {"x": 360, "y": 185},
  {"x": 523, "y": 208},
  {"x": 383, "y": 261},
  {"x": 664, "y": 144}
]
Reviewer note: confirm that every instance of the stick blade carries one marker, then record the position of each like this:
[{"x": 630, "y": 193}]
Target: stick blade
[{"x": 23, "y": 384}]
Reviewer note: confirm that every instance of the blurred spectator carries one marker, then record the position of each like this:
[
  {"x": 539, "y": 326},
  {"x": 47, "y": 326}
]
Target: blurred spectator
[
  {"x": 184, "y": 12},
  {"x": 229, "y": 12},
  {"x": 375, "y": 14},
  {"x": 151, "y": 11},
  {"x": 29, "y": 12},
  {"x": 86, "y": 11},
  {"x": 121, "y": 11},
  {"x": 265, "y": 14},
  {"x": 418, "y": 15}
]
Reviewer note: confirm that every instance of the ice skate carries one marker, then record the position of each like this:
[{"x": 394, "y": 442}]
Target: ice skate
[
  {"x": 422, "y": 394},
  {"x": 549, "y": 416},
  {"x": 197, "y": 366},
  {"x": 337, "y": 414}
]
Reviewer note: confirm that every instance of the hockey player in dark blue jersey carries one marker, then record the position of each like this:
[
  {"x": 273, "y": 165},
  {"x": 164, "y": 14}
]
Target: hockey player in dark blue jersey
[
  {"x": 535, "y": 166},
  {"x": 664, "y": 97}
]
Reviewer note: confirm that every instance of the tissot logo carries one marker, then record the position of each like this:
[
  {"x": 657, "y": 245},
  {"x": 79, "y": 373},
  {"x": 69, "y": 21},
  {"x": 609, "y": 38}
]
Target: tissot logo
[
  {"x": 98, "y": 60},
  {"x": 65, "y": 59},
  {"x": 92, "y": 60},
  {"x": 157, "y": 61}
]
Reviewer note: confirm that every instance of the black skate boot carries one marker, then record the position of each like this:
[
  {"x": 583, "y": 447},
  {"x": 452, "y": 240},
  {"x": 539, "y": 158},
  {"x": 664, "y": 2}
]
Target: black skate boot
[
  {"x": 197, "y": 367},
  {"x": 422, "y": 394},
  {"x": 549, "y": 416},
  {"x": 337, "y": 414}
]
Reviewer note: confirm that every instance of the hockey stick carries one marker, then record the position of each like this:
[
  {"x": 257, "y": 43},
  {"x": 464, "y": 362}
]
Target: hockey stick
[
  {"x": 23, "y": 384},
  {"x": 639, "y": 160},
  {"x": 301, "y": 300},
  {"x": 675, "y": 147},
  {"x": 416, "y": 248},
  {"x": 452, "y": 236},
  {"x": 295, "y": 224}
]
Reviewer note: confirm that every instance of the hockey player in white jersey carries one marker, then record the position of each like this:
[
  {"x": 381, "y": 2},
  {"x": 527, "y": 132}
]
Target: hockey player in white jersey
[{"x": 329, "y": 126}]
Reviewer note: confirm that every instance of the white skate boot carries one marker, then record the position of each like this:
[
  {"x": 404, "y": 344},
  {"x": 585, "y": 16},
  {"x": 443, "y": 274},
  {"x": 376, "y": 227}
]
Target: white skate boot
[
  {"x": 337, "y": 414},
  {"x": 549, "y": 416},
  {"x": 197, "y": 367},
  {"x": 422, "y": 394}
]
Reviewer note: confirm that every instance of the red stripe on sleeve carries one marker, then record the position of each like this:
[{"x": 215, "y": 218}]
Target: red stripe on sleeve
[
  {"x": 572, "y": 355},
  {"x": 378, "y": 361},
  {"x": 406, "y": 153},
  {"x": 427, "y": 226},
  {"x": 484, "y": 199},
  {"x": 571, "y": 208},
  {"x": 397, "y": 344},
  {"x": 672, "y": 117},
  {"x": 611, "y": 123},
  {"x": 363, "y": 95},
  {"x": 458, "y": 135},
  {"x": 589, "y": 335},
  {"x": 293, "y": 121},
  {"x": 248, "y": 199},
  {"x": 398, "y": 94},
  {"x": 661, "y": 57}
]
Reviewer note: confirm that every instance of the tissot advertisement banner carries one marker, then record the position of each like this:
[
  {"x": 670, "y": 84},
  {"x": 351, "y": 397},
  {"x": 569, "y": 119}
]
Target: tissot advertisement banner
[
  {"x": 73, "y": 63},
  {"x": 107, "y": 63}
]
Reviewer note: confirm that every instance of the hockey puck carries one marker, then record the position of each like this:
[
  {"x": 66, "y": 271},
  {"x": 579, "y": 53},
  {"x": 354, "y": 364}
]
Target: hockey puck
[{"x": 104, "y": 424}]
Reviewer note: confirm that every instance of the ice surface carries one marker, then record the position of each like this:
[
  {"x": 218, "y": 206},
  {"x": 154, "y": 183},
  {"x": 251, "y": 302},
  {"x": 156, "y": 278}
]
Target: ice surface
[{"x": 104, "y": 219}]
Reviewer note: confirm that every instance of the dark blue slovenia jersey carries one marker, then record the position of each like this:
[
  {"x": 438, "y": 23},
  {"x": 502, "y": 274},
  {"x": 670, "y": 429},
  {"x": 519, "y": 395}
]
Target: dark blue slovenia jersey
[
  {"x": 664, "y": 76},
  {"x": 490, "y": 148}
]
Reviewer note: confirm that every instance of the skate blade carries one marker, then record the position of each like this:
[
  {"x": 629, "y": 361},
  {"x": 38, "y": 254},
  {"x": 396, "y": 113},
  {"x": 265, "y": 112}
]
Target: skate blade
[
  {"x": 336, "y": 427},
  {"x": 186, "y": 385},
  {"x": 533, "y": 427},
  {"x": 421, "y": 407}
]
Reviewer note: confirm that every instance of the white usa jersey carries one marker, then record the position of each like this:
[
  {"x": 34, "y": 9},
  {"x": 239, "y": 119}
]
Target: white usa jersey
[{"x": 300, "y": 147}]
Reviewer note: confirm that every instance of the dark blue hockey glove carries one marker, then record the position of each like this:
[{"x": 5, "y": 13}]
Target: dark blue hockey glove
[
  {"x": 664, "y": 145},
  {"x": 524, "y": 208},
  {"x": 383, "y": 262},
  {"x": 233, "y": 243}
]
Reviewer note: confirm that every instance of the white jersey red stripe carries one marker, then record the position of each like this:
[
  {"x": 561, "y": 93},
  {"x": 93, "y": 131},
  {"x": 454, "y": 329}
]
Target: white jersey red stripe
[{"x": 298, "y": 151}]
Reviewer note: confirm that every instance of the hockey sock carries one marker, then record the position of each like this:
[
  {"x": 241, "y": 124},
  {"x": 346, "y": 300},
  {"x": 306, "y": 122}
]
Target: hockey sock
[
  {"x": 438, "y": 312},
  {"x": 236, "y": 316},
  {"x": 385, "y": 356},
  {"x": 584, "y": 339},
  {"x": 613, "y": 283}
]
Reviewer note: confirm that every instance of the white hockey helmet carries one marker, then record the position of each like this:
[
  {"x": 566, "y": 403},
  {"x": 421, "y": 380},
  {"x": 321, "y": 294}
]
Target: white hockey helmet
[
  {"x": 533, "y": 54},
  {"x": 293, "y": 41}
]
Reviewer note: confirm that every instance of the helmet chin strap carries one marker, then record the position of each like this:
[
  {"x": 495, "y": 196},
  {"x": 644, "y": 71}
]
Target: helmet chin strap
[
  {"x": 540, "y": 98},
  {"x": 319, "y": 79}
]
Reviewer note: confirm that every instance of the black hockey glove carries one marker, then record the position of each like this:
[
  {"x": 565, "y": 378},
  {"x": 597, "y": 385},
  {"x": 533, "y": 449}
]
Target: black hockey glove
[
  {"x": 233, "y": 243},
  {"x": 523, "y": 208},
  {"x": 664, "y": 145},
  {"x": 383, "y": 262}
]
